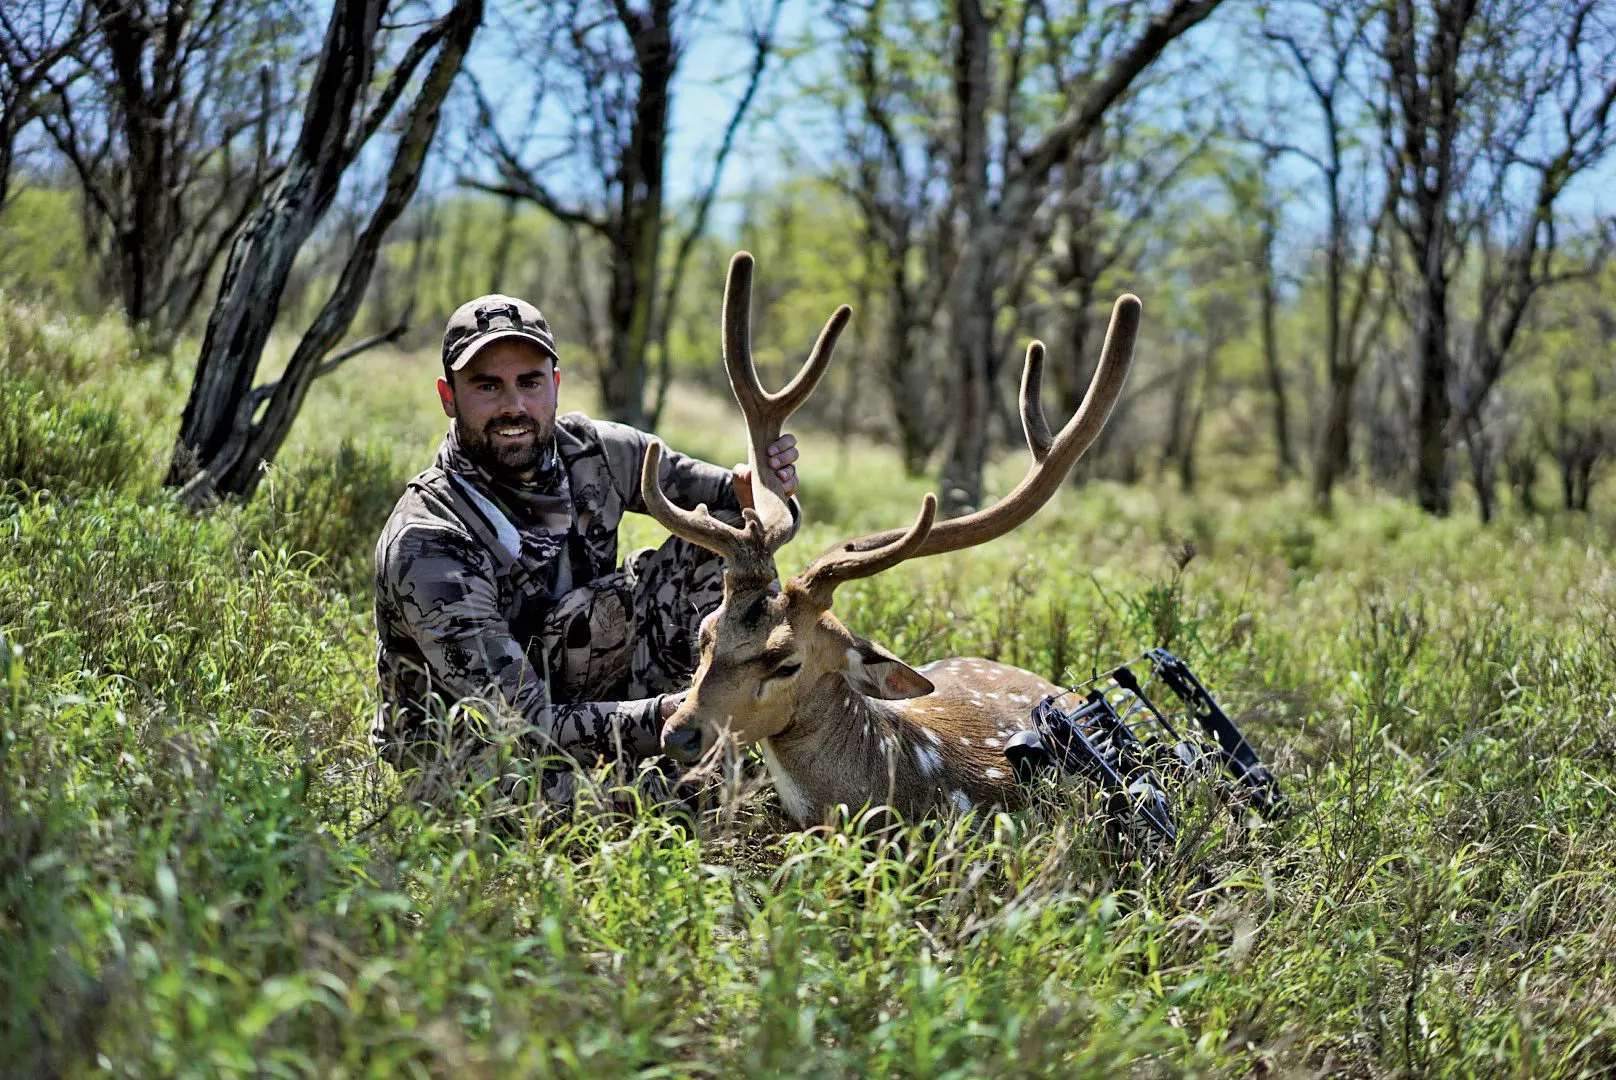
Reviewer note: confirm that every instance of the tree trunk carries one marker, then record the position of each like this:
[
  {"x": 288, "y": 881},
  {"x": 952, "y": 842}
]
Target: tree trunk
[
  {"x": 1285, "y": 463},
  {"x": 1522, "y": 470},
  {"x": 499, "y": 262},
  {"x": 220, "y": 447},
  {"x": 1483, "y": 476},
  {"x": 1334, "y": 452},
  {"x": 1432, "y": 482},
  {"x": 637, "y": 238},
  {"x": 1198, "y": 389},
  {"x": 969, "y": 322}
]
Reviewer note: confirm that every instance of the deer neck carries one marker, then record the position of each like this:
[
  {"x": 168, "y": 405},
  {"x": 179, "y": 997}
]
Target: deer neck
[{"x": 852, "y": 750}]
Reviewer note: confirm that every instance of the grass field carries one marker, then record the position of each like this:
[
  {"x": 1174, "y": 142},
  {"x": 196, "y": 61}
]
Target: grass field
[{"x": 198, "y": 876}]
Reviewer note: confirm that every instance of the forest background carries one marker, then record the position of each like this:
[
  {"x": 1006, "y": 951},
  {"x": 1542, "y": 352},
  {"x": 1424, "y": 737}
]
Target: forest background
[{"x": 1360, "y": 477}]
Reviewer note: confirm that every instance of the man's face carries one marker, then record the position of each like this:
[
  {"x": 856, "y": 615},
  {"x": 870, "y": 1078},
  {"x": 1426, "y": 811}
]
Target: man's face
[{"x": 505, "y": 403}]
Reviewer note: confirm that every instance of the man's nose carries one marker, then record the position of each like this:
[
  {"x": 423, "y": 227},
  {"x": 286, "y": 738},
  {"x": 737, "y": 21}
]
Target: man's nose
[
  {"x": 682, "y": 745},
  {"x": 511, "y": 401}
]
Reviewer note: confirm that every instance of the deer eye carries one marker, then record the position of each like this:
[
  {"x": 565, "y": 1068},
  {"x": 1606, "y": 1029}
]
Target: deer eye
[{"x": 785, "y": 671}]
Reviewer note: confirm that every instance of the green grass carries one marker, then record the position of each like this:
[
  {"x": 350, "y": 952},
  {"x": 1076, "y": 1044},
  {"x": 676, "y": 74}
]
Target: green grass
[{"x": 203, "y": 872}]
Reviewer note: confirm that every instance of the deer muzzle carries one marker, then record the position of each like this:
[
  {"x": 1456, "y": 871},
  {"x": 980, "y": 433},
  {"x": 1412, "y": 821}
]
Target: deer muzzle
[{"x": 683, "y": 744}]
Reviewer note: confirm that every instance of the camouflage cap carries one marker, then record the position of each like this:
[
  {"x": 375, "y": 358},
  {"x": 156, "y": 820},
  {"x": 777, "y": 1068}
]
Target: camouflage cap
[{"x": 489, "y": 318}]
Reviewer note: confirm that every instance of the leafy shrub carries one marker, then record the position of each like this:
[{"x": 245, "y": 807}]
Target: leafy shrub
[
  {"x": 38, "y": 343},
  {"x": 333, "y": 508},
  {"x": 63, "y": 446}
]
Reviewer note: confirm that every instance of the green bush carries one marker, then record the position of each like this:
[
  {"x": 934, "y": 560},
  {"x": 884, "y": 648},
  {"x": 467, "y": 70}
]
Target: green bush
[
  {"x": 333, "y": 508},
  {"x": 47, "y": 444}
]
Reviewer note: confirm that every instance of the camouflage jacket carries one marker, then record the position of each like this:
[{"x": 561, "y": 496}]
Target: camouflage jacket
[{"x": 461, "y": 597}]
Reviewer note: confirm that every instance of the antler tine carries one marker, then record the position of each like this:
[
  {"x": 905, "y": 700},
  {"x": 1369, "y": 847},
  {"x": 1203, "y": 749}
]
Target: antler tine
[
  {"x": 767, "y": 413},
  {"x": 1058, "y": 455},
  {"x": 744, "y": 549},
  {"x": 1032, "y": 410},
  {"x": 845, "y": 563},
  {"x": 797, "y": 390}
]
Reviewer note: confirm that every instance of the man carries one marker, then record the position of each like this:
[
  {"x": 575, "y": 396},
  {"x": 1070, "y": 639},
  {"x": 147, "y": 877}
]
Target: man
[{"x": 508, "y": 631}]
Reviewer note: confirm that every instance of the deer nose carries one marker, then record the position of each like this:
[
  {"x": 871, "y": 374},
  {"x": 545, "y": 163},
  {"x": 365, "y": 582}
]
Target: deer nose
[{"x": 684, "y": 744}]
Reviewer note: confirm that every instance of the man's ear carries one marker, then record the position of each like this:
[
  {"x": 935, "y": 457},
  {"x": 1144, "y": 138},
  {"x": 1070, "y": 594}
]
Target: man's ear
[
  {"x": 446, "y": 397},
  {"x": 876, "y": 673}
]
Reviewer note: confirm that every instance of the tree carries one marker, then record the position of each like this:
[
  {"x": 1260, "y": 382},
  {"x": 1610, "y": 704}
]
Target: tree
[
  {"x": 223, "y": 438},
  {"x": 995, "y": 206},
  {"x": 1101, "y": 207},
  {"x": 1488, "y": 101},
  {"x": 170, "y": 118},
  {"x": 1569, "y": 390},
  {"x": 1324, "y": 47},
  {"x": 37, "y": 39},
  {"x": 888, "y": 97},
  {"x": 954, "y": 144},
  {"x": 610, "y": 68},
  {"x": 1208, "y": 288}
]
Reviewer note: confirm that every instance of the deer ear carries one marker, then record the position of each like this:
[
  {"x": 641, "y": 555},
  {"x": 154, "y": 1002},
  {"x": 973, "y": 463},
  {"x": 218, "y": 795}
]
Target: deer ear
[{"x": 876, "y": 673}]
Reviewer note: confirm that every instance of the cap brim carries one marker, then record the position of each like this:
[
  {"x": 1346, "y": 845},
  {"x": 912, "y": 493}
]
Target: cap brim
[{"x": 500, "y": 335}]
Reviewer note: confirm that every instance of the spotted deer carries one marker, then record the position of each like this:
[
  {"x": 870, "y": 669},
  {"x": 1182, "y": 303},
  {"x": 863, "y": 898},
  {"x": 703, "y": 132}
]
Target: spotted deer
[{"x": 840, "y": 720}]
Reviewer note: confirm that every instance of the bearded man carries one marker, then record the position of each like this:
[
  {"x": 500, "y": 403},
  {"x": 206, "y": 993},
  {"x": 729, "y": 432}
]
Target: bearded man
[{"x": 509, "y": 632}]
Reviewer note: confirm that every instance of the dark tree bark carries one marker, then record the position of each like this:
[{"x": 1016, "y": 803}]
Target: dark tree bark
[
  {"x": 885, "y": 112},
  {"x": 969, "y": 325},
  {"x": 1285, "y": 463},
  {"x": 222, "y": 440},
  {"x": 1106, "y": 195}
]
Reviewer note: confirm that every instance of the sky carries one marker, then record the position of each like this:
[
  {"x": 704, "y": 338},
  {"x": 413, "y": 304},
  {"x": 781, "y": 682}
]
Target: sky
[{"x": 712, "y": 76}]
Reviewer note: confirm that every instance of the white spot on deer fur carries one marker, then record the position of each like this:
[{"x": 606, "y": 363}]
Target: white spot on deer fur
[
  {"x": 990, "y": 742},
  {"x": 964, "y": 741},
  {"x": 995, "y": 697},
  {"x": 929, "y": 760},
  {"x": 993, "y": 774},
  {"x": 960, "y": 799},
  {"x": 932, "y": 735},
  {"x": 1020, "y": 699}
]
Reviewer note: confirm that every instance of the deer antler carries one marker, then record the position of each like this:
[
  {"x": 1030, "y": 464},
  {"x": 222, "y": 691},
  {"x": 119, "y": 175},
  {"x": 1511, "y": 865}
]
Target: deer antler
[
  {"x": 744, "y": 548},
  {"x": 771, "y": 524},
  {"x": 1053, "y": 457},
  {"x": 844, "y": 563},
  {"x": 767, "y": 413}
]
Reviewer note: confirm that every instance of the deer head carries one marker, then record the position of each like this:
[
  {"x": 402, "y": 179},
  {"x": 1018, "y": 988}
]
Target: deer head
[{"x": 774, "y": 658}]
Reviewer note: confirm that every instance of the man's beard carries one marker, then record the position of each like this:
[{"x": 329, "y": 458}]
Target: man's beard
[{"x": 485, "y": 452}]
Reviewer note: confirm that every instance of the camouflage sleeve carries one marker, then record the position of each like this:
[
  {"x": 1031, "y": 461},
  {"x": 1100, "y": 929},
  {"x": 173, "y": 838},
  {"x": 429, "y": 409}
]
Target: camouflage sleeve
[
  {"x": 688, "y": 481},
  {"x": 443, "y": 589}
]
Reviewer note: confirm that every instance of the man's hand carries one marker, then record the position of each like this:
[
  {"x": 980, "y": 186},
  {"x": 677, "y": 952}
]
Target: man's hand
[
  {"x": 781, "y": 456},
  {"x": 671, "y": 702}
]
